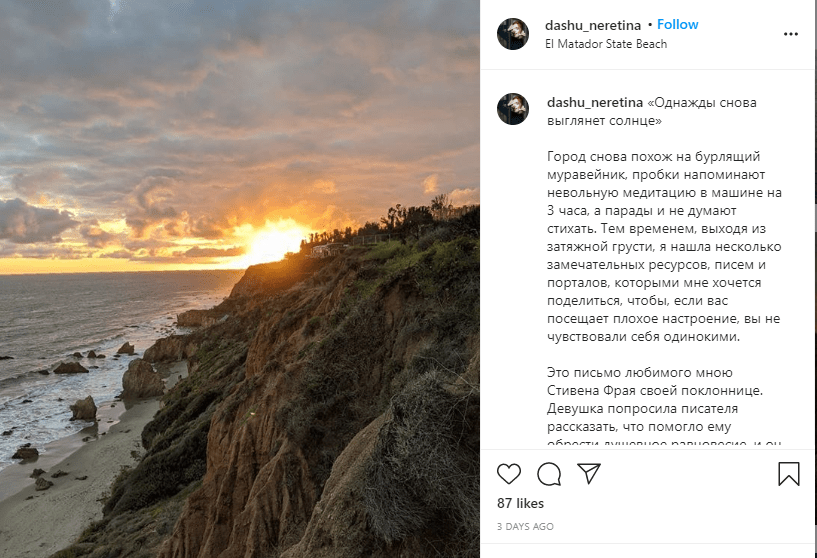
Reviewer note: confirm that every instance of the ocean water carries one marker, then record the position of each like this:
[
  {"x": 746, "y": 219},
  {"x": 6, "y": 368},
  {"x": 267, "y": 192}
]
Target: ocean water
[{"x": 46, "y": 318}]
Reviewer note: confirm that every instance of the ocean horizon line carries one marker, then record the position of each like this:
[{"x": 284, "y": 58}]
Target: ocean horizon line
[{"x": 231, "y": 269}]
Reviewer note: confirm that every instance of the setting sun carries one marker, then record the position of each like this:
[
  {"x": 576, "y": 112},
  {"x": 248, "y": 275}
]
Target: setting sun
[{"x": 270, "y": 243}]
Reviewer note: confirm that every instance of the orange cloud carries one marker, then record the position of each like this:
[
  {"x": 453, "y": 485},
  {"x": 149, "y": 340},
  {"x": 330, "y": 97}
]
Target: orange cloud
[
  {"x": 430, "y": 184},
  {"x": 327, "y": 186}
]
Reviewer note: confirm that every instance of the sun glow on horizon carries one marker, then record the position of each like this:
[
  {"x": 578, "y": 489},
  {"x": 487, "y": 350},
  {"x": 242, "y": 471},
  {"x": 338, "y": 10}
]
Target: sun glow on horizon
[{"x": 272, "y": 242}]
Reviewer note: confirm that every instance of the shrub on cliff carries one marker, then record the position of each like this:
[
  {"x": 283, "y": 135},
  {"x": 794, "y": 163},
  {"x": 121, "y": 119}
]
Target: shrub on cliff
[
  {"x": 162, "y": 474},
  {"x": 423, "y": 477},
  {"x": 359, "y": 364}
]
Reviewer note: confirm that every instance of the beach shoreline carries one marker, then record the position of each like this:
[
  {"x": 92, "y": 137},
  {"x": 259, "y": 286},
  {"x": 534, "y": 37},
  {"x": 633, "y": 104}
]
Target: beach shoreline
[
  {"x": 18, "y": 476},
  {"x": 36, "y": 524}
]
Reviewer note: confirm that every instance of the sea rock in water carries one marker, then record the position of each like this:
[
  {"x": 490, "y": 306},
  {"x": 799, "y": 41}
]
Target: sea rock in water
[
  {"x": 70, "y": 368},
  {"x": 77, "y": 355},
  {"x": 84, "y": 409},
  {"x": 26, "y": 401},
  {"x": 7, "y": 433},
  {"x": 26, "y": 452},
  {"x": 91, "y": 354},
  {"x": 126, "y": 349},
  {"x": 6, "y": 358},
  {"x": 100, "y": 356},
  {"x": 140, "y": 380},
  {"x": 43, "y": 372},
  {"x": 42, "y": 484}
]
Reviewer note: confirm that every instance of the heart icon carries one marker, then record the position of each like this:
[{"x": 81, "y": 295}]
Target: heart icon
[{"x": 509, "y": 473}]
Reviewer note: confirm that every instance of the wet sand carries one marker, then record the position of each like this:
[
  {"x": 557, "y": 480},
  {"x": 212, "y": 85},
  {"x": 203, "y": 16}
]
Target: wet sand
[
  {"x": 35, "y": 524},
  {"x": 38, "y": 523}
]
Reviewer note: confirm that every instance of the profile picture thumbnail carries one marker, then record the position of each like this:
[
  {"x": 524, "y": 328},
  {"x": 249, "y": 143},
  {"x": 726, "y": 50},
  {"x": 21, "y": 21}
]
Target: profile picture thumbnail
[
  {"x": 512, "y": 34},
  {"x": 512, "y": 109}
]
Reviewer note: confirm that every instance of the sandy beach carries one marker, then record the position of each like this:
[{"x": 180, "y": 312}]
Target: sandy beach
[
  {"x": 35, "y": 524},
  {"x": 172, "y": 372}
]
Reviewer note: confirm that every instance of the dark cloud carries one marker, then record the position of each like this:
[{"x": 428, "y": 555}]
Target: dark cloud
[
  {"x": 173, "y": 228},
  {"x": 41, "y": 252},
  {"x": 197, "y": 252},
  {"x": 54, "y": 17},
  {"x": 150, "y": 196},
  {"x": 22, "y": 223},
  {"x": 118, "y": 254},
  {"x": 205, "y": 227},
  {"x": 96, "y": 236},
  {"x": 188, "y": 119},
  {"x": 149, "y": 245},
  {"x": 29, "y": 185}
]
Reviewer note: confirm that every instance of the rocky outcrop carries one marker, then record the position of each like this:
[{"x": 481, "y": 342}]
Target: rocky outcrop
[
  {"x": 77, "y": 355},
  {"x": 84, "y": 409},
  {"x": 337, "y": 527},
  {"x": 287, "y": 451},
  {"x": 126, "y": 349},
  {"x": 169, "y": 349},
  {"x": 26, "y": 453},
  {"x": 91, "y": 354},
  {"x": 70, "y": 368},
  {"x": 270, "y": 278},
  {"x": 317, "y": 391},
  {"x": 198, "y": 318},
  {"x": 141, "y": 380},
  {"x": 42, "y": 484}
]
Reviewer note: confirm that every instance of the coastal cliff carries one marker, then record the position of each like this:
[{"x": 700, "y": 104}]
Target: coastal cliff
[{"x": 331, "y": 409}]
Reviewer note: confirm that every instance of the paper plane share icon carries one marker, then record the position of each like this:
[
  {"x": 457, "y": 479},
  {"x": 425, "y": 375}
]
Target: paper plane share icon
[{"x": 590, "y": 470}]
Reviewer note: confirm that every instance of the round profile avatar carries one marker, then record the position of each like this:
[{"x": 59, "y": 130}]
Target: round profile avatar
[
  {"x": 512, "y": 109},
  {"x": 512, "y": 34}
]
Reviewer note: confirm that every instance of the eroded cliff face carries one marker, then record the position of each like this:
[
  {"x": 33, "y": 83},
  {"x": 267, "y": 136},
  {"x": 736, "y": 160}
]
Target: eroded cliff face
[
  {"x": 288, "y": 449},
  {"x": 317, "y": 416},
  {"x": 263, "y": 279},
  {"x": 363, "y": 482}
]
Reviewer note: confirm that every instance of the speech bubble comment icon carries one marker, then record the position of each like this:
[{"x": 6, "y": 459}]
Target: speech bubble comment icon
[
  {"x": 509, "y": 473},
  {"x": 549, "y": 474}
]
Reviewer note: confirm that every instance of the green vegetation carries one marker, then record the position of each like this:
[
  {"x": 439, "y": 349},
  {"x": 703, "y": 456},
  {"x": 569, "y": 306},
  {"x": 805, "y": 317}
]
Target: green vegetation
[
  {"x": 400, "y": 222},
  {"x": 176, "y": 439},
  {"x": 438, "y": 290},
  {"x": 162, "y": 474},
  {"x": 387, "y": 250},
  {"x": 397, "y": 340},
  {"x": 423, "y": 476},
  {"x": 312, "y": 325}
]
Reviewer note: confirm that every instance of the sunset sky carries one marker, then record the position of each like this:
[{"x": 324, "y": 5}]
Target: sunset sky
[{"x": 168, "y": 134}]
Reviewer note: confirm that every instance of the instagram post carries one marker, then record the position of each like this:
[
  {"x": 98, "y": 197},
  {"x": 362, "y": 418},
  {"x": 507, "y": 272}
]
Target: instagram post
[
  {"x": 239, "y": 279},
  {"x": 254, "y": 255}
]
